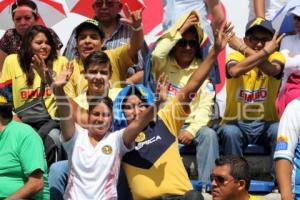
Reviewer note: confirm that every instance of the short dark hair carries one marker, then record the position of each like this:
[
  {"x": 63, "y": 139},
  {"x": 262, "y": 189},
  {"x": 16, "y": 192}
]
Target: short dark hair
[
  {"x": 27, "y": 3},
  {"x": 25, "y": 54},
  {"x": 97, "y": 100},
  {"x": 97, "y": 58},
  {"x": 239, "y": 167},
  {"x": 6, "y": 111}
]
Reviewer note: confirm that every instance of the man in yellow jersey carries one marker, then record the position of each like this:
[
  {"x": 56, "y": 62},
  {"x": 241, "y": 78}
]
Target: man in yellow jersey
[
  {"x": 253, "y": 74},
  {"x": 231, "y": 179}
]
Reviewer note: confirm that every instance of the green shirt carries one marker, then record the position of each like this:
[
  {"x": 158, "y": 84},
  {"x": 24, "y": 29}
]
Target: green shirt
[{"x": 21, "y": 153}]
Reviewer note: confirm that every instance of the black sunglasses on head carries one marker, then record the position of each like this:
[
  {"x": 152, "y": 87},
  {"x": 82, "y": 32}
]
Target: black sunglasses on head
[{"x": 191, "y": 43}]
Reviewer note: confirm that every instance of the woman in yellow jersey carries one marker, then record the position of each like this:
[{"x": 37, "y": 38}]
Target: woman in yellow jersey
[{"x": 23, "y": 83}]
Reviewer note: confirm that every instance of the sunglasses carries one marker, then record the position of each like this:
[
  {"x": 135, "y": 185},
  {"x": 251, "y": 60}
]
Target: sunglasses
[
  {"x": 108, "y": 3},
  {"x": 192, "y": 43},
  {"x": 220, "y": 180}
]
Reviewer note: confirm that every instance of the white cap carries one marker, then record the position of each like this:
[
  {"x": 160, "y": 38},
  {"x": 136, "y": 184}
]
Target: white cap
[{"x": 296, "y": 11}]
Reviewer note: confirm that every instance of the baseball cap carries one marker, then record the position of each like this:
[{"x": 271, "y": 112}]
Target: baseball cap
[
  {"x": 260, "y": 22},
  {"x": 89, "y": 24},
  {"x": 296, "y": 11}
]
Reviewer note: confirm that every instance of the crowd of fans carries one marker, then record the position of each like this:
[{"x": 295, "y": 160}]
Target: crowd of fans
[{"x": 83, "y": 126}]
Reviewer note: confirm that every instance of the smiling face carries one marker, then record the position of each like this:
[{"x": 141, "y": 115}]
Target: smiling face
[
  {"x": 40, "y": 46},
  {"x": 98, "y": 76},
  {"x": 100, "y": 120},
  {"x": 88, "y": 41},
  {"x": 185, "y": 49}
]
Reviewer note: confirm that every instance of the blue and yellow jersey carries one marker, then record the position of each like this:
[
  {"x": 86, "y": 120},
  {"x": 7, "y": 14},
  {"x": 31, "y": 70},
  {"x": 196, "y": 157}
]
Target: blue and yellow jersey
[{"x": 156, "y": 163}]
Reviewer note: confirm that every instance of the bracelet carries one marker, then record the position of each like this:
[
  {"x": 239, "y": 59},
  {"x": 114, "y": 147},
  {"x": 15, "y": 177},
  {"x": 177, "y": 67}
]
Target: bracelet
[
  {"x": 138, "y": 28},
  {"x": 266, "y": 53}
]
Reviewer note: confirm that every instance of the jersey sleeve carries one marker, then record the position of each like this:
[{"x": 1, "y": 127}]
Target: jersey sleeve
[
  {"x": 288, "y": 132},
  {"x": 31, "y": 152},
  {"x": 173, "y": 115}
]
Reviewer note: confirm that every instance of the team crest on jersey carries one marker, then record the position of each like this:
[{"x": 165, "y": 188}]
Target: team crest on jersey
[
  {"x": 282, "y": 143},
  {"x": 107, "y": 149},
  {"x": 141, "y": 137}
]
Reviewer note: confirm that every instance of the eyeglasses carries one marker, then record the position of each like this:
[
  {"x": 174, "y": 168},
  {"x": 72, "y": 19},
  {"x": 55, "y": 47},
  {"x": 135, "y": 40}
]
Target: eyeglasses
[
  {"x": 253, "y": 39},
  {"x": 220, "y": 180},
  {"x": 192, "y": 43},
  {"x": 108, "y": 3}
]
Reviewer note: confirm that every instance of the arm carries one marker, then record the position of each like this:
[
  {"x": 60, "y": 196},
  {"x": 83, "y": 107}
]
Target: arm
[
  {"x": 201, "y": 113},
  {"x": 33, "y": 185},
  {"x": 2, "y": 58},
  {"x": 259, "y": 8},
  {"x": 135, "y": 78},
  {"x": 286, "y": 147},
  {"x": 283, "y": 169},
  {"x": 254, "y": 59},
  {"x": 148, "y": 115},
  {"x": 215, "y": 8},
  {"x": 136, "y": 42},
  {"x": 166, "y": 44},
  {"x": 80, "y": 115},
  {"x": 185, "y": 96},
  {"x": 67, "y": 124}
]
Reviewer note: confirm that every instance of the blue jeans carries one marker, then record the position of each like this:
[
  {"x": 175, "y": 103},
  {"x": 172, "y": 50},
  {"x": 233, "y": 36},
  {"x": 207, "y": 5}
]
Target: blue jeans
[
  {"x": 207, "y": 151},
  {"x": 236, "y": 135},
  {"x": 58, "y": 179}
]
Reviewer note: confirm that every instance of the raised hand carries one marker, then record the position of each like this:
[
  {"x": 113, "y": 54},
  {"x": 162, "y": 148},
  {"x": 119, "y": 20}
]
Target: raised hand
[
  {"x": 162, "y": 88},
  {"x": 223, "y": 36},
  {"x": 273, "y": 44},
  {"x": 64, "y": 76},
  {"x": 134, "y": 19},
  {"x": 38, "y": 63},
  {"x": 190, "y": 21}
]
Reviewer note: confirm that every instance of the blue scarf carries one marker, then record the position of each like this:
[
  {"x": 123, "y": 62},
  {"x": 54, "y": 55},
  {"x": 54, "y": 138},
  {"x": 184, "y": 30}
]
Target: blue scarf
[{"x": 119, "y": 117}]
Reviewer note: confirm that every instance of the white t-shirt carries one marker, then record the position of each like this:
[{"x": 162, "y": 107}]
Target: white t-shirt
[
  {"x": 290, "y": 48},
  {"x": 288, "y": 140},
  {"x": 271, "y": 8},
  {"x": 94, "y": 171}
]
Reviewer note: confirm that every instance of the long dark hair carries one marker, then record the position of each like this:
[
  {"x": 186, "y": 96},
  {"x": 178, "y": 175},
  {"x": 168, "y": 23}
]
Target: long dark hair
[{"x": 25, "y": 54}]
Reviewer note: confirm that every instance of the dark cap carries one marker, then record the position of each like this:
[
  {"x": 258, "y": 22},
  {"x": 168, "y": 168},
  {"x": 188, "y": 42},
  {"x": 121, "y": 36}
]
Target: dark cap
[
  {"x": 260, "y": 23},
  {"x": 89, "y": 24}
]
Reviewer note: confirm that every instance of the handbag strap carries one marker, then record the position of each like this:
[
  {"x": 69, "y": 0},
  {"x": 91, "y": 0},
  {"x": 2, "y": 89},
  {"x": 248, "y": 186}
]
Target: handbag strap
[{"x": 42, "y": 90}]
